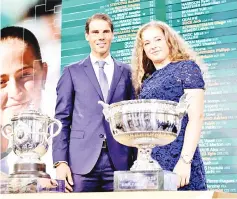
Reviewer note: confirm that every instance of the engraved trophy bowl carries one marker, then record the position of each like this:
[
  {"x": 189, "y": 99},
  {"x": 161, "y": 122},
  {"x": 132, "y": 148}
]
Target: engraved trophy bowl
[
  {"x": 144, "y": 124},
  {"x": 30, "y": 135}
]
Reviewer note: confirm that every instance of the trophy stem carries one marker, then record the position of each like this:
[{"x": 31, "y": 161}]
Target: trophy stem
[
  {"x": 144, "y": 160},
  {"x": 29, "y": 157}
]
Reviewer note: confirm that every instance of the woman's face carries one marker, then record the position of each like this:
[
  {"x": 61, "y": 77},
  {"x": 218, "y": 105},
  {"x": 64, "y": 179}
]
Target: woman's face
[
  {"x": 155, "y": 46},
  {"x": 22, "y": 77}
]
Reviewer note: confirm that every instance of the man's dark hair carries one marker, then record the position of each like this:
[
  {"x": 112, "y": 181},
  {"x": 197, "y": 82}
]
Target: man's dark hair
[
  {"x": 15, "y": 32},
  {"x": 100, "y": 16}
]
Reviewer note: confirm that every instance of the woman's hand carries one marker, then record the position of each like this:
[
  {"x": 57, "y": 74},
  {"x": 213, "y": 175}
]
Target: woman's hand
[{"x": 183, "y": 171}]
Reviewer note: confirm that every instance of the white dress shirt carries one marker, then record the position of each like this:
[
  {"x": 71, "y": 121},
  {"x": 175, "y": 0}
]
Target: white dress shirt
[{"x": 108, "y": 67}]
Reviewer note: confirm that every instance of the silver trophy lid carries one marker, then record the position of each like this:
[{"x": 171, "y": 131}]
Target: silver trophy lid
[{"x": 30, "y": 113}]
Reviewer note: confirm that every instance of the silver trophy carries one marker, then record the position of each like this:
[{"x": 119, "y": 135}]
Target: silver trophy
[
  {"x": 144, "y": 124},
  {"x": 29, "y": 134}
]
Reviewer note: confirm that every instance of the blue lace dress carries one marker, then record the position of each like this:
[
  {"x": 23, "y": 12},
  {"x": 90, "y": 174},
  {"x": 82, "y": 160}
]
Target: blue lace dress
[{"x": 169, "y": 83}]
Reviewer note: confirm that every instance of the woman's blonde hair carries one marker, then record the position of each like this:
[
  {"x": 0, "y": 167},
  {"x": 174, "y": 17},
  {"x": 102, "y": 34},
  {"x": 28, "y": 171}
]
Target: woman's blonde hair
[{"x": 179, "y": 50}]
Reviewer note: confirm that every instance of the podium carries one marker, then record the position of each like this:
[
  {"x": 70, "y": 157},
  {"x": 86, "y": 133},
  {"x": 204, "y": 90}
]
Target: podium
[{"x": 126, "y": 195}]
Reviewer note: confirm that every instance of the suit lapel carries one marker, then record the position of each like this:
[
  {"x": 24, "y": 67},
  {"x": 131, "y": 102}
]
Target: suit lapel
[
  {"x": 118, "y": 70},
  {"x": 88, "y": 68}
]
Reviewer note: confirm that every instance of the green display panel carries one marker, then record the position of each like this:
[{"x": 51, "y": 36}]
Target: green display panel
[
  {"x": 127, "y": 17},
  {"x": 210, "y": 27}
]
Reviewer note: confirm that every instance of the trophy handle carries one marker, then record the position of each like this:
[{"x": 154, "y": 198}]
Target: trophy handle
[
  {"x": 183, "y": 104},
  {"x": 105, "y": 109},
  {"x": 5, "y": 133},
  {"x": 55, "y": 121}
]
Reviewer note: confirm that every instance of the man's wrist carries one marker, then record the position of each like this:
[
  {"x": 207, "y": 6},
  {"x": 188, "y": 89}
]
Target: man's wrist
[{"x": 56, "y": 164}]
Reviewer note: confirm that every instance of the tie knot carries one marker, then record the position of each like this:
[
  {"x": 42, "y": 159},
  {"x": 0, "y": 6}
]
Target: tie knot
[{"x": 101, "y": 64}]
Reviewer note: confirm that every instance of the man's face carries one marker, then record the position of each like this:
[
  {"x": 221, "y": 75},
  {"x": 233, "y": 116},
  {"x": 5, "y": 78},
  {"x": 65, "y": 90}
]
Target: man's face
[
  {"x": 22, "y": 77},
  {"x": 99, "y": 37}
]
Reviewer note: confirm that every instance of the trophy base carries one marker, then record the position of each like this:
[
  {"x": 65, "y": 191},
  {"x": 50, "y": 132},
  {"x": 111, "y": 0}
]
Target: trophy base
[
  {"x": 29, "y": 185},
  {"x": 29, "y": 170},
  {"x": 157, "y": 180}
]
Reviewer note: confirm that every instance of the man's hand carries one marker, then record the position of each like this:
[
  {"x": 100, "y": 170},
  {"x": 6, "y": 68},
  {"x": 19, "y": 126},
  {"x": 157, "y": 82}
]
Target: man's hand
[
  {"x": 63, "y": 172},
  {"x": 47, "y": 183},
  {"x": 183, "y": 171}
]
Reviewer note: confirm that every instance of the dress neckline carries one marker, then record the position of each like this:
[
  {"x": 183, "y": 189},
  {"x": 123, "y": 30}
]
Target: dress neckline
[
  {"x": 161, "y": 69},
  {"x": 157, "y": 71}
]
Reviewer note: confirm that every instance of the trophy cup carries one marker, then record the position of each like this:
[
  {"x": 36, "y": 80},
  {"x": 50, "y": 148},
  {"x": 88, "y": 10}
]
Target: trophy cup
[
  {"x": 29, "y": 134},
  {"x": 144, "y": 124}
]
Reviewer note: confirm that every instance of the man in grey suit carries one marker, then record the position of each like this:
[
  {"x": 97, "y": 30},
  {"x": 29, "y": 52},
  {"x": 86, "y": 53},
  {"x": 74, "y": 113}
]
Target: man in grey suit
[{"x": 85, "y": 154}]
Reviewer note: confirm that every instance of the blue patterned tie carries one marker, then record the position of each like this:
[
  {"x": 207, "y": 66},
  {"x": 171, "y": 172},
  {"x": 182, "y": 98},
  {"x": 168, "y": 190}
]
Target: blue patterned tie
[{"x": 104, "y": 85}]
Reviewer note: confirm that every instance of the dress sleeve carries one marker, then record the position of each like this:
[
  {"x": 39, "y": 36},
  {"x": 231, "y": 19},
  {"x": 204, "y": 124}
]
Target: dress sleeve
[{"x": 191, "y": 76}]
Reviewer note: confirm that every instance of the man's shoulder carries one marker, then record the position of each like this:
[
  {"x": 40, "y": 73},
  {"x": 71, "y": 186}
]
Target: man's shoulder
[
  {"x": 124, "y": 65},
  {"x": 77, "y": 64}
]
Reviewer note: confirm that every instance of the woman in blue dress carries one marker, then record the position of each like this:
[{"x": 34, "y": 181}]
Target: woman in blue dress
[{"x": 165, "y": 67}]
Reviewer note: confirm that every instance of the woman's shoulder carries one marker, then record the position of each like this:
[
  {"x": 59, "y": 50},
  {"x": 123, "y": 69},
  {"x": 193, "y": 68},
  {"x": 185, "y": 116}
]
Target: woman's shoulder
[
  {"x": 190, "y": 74},
  {"x": 187, "y": 65}
]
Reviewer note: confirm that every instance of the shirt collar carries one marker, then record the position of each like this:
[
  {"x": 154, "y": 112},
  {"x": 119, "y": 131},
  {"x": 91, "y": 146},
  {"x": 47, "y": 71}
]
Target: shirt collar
[{"x": 108, "y": 59}]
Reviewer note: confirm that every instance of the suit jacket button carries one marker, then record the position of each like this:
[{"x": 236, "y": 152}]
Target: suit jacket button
[{"x": 101, "y": 135}]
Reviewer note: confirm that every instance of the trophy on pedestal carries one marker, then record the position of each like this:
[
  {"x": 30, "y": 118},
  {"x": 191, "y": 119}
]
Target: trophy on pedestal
[
  {"x": 144, "y": 124},
  {"x": 29, "y": 134}
]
